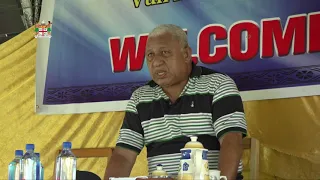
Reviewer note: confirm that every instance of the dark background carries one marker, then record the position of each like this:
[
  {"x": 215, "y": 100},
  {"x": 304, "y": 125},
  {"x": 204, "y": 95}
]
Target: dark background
[{"x": 17, "y": 16}]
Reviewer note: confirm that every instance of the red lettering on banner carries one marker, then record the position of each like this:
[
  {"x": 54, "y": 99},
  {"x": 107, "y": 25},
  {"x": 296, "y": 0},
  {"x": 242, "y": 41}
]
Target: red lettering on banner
[
  {"x": 313, "y": 40},
  {"x": 119, "y": 53},
  {"x": 219, "y": 32},
  {"x": 292, "y": 37},
  {"x": 251, "y": 30},
  {"x": 194, "y": 59},
  {"x": 301, "y": 34}
]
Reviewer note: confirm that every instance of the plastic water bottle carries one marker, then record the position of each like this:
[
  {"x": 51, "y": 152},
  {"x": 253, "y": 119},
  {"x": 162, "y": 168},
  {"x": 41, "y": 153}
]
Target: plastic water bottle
[
  {"x": 39, "y": 168},
  {"x": 66, "y": 164},
  {"x": 14, "y": 166},
  {"x": 28, "y": 164}
]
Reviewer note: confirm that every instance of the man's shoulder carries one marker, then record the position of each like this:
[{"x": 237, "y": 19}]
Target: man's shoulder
[
  {"x": 213, "y": 75},
  {"x": 144, "y": 89},
  {"x": 207, "y": 71},
  {"x": 145, "y": 92}
]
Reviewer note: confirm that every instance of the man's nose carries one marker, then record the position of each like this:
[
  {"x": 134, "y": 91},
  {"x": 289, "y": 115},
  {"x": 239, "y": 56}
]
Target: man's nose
[{"x": 158, "y": 61}]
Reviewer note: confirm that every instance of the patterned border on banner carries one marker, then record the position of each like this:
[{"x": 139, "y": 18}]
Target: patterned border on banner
[{"x": 113, "y": 92}]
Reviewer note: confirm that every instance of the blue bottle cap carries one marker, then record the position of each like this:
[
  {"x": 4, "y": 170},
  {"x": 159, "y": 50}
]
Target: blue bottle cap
[
  {"x": 30, "y": 147},
  {"x": 67, "y": 145},
  {"x": 18, "y": 153},
  {"x": 37, "y": 154}
]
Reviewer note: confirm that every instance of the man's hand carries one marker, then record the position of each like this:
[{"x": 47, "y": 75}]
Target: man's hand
[
  {"x": 230, "y": 154},
  {"x": 121, "y": 163}
]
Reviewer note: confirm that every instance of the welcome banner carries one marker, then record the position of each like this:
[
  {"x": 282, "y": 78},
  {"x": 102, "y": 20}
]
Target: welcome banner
[{"x": 95, "y": 58}]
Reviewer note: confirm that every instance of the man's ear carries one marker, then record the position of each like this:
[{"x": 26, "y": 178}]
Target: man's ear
[{"x": 187, "y": 54}]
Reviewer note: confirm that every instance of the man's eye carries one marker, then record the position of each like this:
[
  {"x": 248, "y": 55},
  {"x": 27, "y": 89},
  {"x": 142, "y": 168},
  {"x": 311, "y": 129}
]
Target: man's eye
[
  {"x": 165, "y": 52},
  {"x": 150, "y": 55}
]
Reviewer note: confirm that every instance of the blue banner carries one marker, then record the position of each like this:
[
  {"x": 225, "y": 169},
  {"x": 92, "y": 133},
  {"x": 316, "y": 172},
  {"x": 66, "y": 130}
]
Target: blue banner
[{"x": 96, "y": 53}]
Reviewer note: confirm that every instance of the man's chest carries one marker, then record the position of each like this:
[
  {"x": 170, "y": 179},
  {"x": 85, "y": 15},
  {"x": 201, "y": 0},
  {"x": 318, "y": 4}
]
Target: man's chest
[{"x": 163, "y": 121}]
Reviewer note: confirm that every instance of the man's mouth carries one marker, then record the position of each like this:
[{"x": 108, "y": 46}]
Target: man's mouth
[{"x": 161, "y": 74}]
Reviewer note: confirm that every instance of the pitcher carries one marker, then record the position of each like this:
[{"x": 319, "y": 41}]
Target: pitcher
[
  {"x": 215, "y": 175},
  {"x": 194, "y": 161}
]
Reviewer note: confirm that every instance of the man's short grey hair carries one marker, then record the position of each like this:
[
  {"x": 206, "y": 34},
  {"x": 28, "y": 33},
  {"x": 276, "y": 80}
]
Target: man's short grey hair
[{"x": 176, "y": 31}]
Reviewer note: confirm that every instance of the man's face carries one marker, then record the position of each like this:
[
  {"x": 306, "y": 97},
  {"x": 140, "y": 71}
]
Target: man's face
[{"x": 167, "y": 60}]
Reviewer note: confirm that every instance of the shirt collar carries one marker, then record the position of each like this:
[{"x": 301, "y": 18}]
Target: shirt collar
[{"x": 195, "y": 72}]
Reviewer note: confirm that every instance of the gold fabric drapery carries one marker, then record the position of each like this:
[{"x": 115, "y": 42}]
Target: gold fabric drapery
[{"x": 289, "y": 129}]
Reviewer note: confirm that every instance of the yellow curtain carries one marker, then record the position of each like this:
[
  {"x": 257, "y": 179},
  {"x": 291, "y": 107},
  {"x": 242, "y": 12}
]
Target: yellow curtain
[{"x": 289, "y": 129}]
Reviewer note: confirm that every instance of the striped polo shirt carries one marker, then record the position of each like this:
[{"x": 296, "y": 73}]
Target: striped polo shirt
[{"x": 208, "y": 107}]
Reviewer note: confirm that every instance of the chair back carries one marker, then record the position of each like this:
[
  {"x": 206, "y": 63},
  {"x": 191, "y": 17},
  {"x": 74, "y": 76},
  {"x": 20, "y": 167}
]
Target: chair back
[
  {"x": 253, "y": 145},
  {"x": 91, "y": 152},
  {"x": 87, "y": 153}
]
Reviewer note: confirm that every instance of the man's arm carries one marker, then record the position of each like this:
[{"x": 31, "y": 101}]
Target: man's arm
[
  {"x": 120, "y": 163},
  {"x": 129, "y": 144},
  {"x": 230, "y": 126},
  {"x": 230, "y": 154}
]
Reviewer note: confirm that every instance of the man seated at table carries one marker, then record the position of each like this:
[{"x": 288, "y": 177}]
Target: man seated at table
[{"x": 181, "y": 100}]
